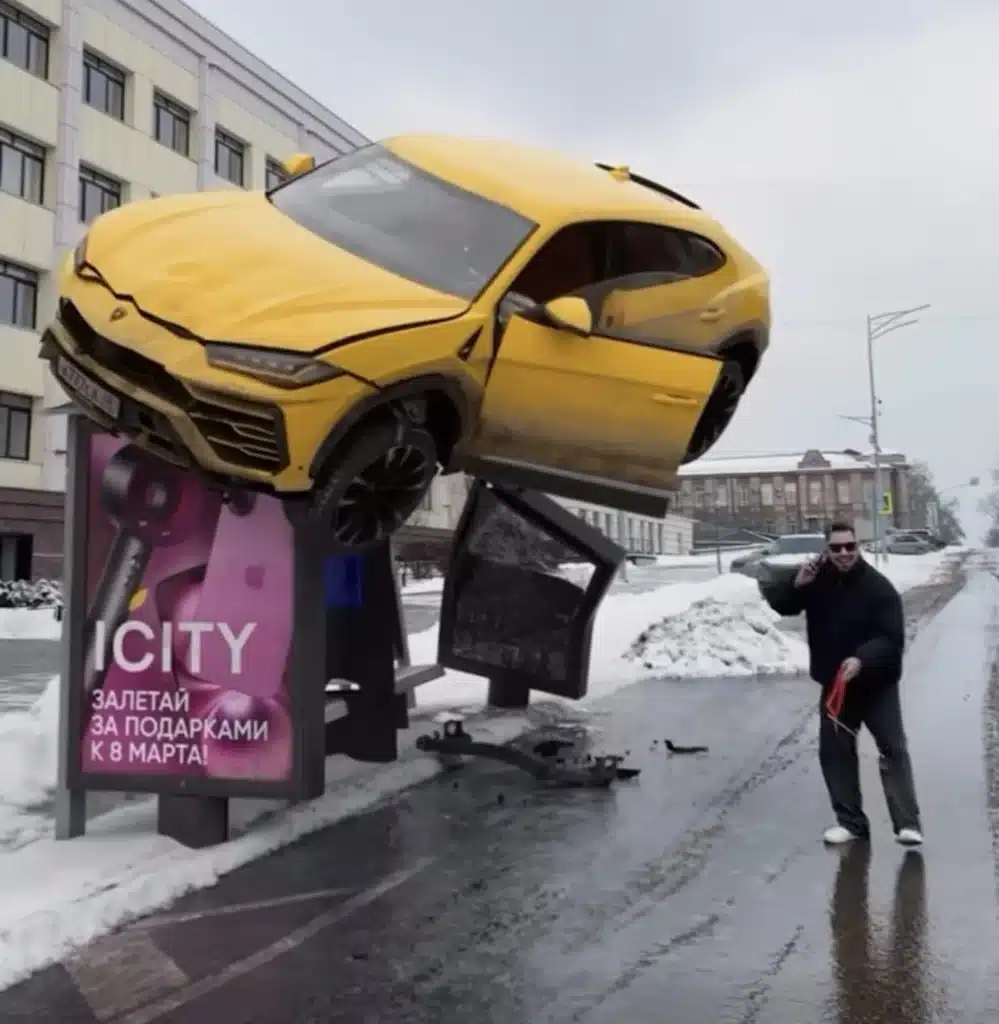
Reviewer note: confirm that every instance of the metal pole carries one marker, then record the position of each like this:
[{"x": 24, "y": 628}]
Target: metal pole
[{"x": 875, "y": 442}]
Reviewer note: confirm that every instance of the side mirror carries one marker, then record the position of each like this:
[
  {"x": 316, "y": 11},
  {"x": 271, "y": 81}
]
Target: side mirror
[
  {"x": 298, "y": 163},
  {"x": 571, "y": 314}
]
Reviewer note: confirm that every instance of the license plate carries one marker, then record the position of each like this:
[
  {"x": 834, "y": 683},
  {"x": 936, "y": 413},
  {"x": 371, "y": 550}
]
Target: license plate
[{"x": 86, "y": 387}]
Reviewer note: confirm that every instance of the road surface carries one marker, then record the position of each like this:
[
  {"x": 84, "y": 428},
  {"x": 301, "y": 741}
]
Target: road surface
[{"x": 698, "y": 893}]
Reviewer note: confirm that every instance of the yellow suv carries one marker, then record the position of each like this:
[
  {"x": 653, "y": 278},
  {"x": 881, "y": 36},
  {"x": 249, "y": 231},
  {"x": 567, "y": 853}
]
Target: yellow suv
[{"x": 423, "y": 303}]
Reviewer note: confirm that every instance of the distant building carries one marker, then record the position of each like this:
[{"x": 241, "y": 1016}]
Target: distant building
[
  {"x": 638, "y": 535},
  {"x": 791, "y": 492}
]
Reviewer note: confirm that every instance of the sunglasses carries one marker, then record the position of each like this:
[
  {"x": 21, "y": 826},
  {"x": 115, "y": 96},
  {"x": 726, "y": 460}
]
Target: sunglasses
[{"x": 850, "y": 545}]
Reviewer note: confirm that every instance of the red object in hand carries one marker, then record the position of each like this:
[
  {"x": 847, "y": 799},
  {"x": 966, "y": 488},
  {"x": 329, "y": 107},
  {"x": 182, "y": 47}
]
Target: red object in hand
[{"x": 837, "y": 695}]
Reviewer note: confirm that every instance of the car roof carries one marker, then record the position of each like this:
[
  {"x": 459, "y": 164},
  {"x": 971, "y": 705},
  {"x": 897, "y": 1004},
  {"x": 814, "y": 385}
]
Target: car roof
[{"x": 542, "y": 184}]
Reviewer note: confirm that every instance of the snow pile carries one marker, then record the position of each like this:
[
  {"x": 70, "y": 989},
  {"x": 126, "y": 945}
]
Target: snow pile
[
  {"x": 28, "y": 757},
  {"x": 30, "y": 594},
  {"x": 908, "y": 571},
  {"x": 29, "y": 624},
  {"x": 715, "y": 636}
]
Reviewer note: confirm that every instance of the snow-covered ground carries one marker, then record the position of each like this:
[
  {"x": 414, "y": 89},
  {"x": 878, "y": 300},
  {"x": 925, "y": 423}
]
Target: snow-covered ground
[
  {"x": 29, "y": 624},
  {"x": 56, "y": 896}
]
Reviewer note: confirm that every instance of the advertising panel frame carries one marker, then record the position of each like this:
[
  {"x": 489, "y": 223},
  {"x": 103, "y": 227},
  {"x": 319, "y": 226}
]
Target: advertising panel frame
[{"x": 305, "y": 690}]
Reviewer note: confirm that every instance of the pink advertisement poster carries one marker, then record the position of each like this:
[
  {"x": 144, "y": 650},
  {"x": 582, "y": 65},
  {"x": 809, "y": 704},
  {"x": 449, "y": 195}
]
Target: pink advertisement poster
[{"x": 187, "y": 640}]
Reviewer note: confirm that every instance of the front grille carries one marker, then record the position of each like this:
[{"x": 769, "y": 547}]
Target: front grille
[
  {"x": 241, "y": 433},
  {"x": 136, "y": 369},
  {"x": 153, "y": 431}
]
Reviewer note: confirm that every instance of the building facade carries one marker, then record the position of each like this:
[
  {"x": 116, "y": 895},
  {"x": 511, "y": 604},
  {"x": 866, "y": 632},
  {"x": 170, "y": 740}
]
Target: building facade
[
  {"x": 673, "y": 535},
  {"x": 792, "y": 493},
  {"x": 638, "y": 535},
  {"x": 103, "y": 102}
]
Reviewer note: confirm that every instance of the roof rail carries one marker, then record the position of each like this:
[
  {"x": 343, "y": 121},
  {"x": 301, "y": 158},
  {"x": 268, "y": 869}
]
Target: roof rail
[{"x": 654, "y": 185}]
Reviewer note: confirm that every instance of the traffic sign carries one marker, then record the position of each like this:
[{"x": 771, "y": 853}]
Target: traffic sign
[{"x": 886, "y": 505}]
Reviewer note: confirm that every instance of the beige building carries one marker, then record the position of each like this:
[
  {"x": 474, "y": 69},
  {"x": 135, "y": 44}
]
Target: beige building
[
  {"x": 103, "y": 102},
  {"x": 638, "y": 535},
  {"x": 792, "y": 492}
]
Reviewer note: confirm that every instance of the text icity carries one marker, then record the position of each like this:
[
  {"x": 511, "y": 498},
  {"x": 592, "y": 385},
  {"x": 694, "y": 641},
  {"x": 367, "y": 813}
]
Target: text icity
[{"x": 195, "y": 630}]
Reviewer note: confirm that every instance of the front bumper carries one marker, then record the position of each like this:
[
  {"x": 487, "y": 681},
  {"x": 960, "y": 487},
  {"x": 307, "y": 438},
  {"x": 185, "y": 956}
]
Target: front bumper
[{"x": 221, "y": 434}]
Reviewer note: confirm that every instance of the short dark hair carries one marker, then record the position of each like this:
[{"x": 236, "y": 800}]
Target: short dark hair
[{"x": 840, "y": 526}]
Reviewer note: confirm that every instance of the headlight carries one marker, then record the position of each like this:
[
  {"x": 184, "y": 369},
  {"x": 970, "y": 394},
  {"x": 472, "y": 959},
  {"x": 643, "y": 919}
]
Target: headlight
[
  {"x": 80, "y": 255},
  {"x": 282, "y": 369}
]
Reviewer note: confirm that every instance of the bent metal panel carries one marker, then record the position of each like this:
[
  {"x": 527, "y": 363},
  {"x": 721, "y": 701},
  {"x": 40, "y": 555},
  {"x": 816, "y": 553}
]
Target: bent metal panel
[{"x": 185, "y": 674}]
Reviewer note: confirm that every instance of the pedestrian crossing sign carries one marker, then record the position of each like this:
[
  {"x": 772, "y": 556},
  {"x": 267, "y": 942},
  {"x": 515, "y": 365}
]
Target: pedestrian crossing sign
[{"x": 886, "y": 505}]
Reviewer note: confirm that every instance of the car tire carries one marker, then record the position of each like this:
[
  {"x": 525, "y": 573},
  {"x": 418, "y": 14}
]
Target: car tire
[
  {"x": 373, "y": 483},
  {"x": 718, "y": 411}
]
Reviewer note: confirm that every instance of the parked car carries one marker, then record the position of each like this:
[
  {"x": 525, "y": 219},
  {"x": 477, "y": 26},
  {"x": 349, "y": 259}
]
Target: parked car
[
  {"x": 787, "y": 554},
  {"x": 908, "y": 543},
  {"x": 422, "y": 304},
  {"x": 936, "y": 542},
  {"x": 748, "y": 562}
]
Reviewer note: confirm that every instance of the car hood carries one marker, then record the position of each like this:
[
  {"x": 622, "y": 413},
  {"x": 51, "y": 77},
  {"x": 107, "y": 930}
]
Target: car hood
[{"x": 227, "y": 266}]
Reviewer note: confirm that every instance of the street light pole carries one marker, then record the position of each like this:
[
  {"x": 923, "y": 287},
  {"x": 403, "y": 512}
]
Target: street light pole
[{"x": 878, "y": 325}]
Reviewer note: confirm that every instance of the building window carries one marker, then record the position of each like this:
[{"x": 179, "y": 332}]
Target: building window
[
  {"x": 791, "y": 492},
  {"x": 18, "y": 296},
  {"x": 98, "y": 194},
  {"x": 171, "y": 124},
  {"x": 814, "y": 492},
  {"x": 767, "y": 494},
  {"x": 230, "y": 158},
  {"x": 22, "y": 167},
  {"x": 843, "y": 492},
  {"x": 24, "y": 41},
  {"x": 275, "y": 174},
  {"x": 15, "y": 426},
  {"x": 103, "y": 86}
]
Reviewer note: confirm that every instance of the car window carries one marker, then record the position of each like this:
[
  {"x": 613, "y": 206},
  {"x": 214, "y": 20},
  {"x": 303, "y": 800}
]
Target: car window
[
  {"x": 653, "y": 249},
  {"x": 660, "y": 278},
  {"x": 570, "y": 262},
  {"x": 393, "y": 214}
]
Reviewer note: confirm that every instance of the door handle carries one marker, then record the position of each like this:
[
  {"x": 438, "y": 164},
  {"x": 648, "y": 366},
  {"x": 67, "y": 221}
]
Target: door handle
[
  {"x": 668, "y": 399},
  {"x": 709, "y": 316}
]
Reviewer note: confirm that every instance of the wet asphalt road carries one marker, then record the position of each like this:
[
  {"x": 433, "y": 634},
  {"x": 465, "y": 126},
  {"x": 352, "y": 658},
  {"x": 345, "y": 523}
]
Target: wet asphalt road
[{"x": 697, "y": 893}]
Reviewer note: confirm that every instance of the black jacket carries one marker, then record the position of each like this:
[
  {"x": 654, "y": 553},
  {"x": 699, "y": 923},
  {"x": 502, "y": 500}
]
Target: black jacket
[{"x": 856, "y": 614}]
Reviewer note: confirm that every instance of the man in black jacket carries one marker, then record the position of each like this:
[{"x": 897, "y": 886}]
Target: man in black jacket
[{"x": 855, "y": 624}]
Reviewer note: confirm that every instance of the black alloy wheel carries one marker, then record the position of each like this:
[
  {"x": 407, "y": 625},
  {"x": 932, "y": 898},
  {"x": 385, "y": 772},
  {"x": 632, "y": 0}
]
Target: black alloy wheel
[
  {"x": 382, "y": 477},
  {"x": 718, "y": 411}
]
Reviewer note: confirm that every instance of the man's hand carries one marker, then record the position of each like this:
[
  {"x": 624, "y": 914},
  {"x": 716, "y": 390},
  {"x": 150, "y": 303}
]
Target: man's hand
[
  {"x": 808, "y": 572},
  {"x": 850, "y": 669}
]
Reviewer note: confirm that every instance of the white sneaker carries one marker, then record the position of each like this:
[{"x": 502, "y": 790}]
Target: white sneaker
[
  {"x": 909, "y": 837},
  {"x": 837, "y": 835}
]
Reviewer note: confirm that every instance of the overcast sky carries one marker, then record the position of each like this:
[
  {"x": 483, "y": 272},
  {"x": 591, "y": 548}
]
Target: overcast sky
[{"x": 853, "y": 147}]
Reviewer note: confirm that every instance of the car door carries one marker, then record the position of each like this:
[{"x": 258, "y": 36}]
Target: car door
[{"x": 602, "y": 408}]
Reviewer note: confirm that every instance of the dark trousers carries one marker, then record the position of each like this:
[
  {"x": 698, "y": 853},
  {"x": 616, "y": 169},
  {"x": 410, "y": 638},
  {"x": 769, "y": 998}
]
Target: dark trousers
[{"x": 880, "y": 710}]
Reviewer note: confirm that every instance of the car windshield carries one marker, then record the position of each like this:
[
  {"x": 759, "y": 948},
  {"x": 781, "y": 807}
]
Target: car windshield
[
  {"x": 388, "y": 212},
  {"x": 800, "y": 545}
]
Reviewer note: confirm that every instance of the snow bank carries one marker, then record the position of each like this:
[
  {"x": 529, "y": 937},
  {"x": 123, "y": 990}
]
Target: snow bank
[
  {"x": 735, "y": 634},
  {"x": 56, "y": 897},
  {"x": 29, "y": 624},
  {"x": 908, "y": 571}
]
